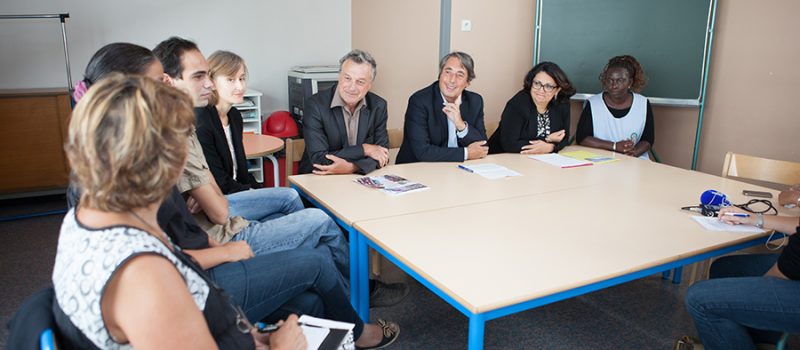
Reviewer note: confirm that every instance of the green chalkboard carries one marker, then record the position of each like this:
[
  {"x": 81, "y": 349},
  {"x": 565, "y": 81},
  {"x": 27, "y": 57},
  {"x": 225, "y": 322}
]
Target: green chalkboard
[{"x": 668, "y": 37}]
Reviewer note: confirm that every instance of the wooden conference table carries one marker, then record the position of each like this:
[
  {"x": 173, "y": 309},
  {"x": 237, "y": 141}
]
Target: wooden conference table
[
  {"x": 256, "y": 145},
  {"x": 492, "y": 248}
]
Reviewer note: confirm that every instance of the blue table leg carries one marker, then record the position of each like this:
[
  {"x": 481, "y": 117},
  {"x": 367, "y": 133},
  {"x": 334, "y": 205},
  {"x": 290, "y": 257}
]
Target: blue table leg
[
  {"x": 676, "y": 277},
  {"x": 354, "y": 276},
  {"x": 665, "y": 274},
  {"x": 476, "y": 324},
  {"x": 363, "y": 277}
]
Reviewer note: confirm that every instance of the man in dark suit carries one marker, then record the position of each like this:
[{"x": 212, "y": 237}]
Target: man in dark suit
[
  {"x": 345, "y": 133},
  {"x": 444, "y": 122},
  {"x": 345, "y": 126}
]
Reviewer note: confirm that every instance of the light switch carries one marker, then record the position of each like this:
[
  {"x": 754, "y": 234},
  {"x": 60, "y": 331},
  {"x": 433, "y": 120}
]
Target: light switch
[{"x": 466, "y": 25}]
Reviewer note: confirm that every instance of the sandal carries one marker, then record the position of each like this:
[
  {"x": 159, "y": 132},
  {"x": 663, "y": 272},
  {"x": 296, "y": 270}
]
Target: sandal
[{"x": 390, "y": 333}]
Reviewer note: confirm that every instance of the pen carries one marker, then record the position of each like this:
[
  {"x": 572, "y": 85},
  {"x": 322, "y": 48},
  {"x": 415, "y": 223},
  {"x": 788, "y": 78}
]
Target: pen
[
  {"x": 465, "y": 168},
  {"x": 273, "y": 327},
  {"x": 738, "y": 215}
]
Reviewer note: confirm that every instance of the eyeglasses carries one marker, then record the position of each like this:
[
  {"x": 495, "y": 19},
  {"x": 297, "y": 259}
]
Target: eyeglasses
[
  {"x": 617, "y": 81},
  {"x": 758, "y": 206},
  {"x": 537, "y": 85}
]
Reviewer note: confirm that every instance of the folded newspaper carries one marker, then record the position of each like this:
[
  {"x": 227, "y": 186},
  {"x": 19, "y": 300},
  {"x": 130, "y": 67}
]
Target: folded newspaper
[{"x": 391, "y": 184}]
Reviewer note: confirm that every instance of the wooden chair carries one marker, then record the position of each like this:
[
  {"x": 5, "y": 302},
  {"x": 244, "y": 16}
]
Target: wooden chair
[
  {"x": 294, "y": 152},
  {"x": 491, "y": 127},
  {"x": 761, "y": 171},
  {"x": 395, "y": 138}
]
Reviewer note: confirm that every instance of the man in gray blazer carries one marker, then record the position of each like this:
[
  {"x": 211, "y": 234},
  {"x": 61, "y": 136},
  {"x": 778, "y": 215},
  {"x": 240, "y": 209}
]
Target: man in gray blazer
[{"x": 345, "y": 126}]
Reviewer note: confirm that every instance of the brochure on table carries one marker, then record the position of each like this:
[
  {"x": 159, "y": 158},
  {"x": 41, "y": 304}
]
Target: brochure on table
[
  {"x": 391, "y": 184},
  {"x": 587, "y": 156}
]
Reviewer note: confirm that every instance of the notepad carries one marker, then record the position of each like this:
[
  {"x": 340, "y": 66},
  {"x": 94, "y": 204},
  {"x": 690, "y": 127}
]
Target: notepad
[
  {"x": 589, "y": 157},
  {"x": 713, "y": 224},
  {"x": 326, "y": 334},
  {"x": 489, "y": 170},
  {"x": 560, "y": 161}
]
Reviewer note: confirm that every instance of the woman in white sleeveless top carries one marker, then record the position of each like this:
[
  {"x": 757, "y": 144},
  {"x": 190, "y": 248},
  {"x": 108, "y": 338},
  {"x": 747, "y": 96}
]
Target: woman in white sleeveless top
[
  {"x": 117, "y": 276},
  {"x": 619, "y": 119}
]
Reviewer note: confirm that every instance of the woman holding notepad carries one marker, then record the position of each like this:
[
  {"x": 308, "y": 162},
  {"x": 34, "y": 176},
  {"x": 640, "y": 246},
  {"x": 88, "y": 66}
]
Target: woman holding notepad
[
  {"x": 749, "y": 299},
  {"x": 619, "y": 119},
  {"x": 536, "y": 119}
]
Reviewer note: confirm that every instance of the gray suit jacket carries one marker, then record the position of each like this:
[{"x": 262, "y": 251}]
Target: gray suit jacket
[{"x": 325, "y": 132}]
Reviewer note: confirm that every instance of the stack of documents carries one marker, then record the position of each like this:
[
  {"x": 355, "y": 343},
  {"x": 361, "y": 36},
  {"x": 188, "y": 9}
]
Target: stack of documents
[{"x": 589, "y": 157}]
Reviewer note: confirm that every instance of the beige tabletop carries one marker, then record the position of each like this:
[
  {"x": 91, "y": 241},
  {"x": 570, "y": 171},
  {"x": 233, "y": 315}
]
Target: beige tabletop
[
  {"x": 452, "y": 187},
  {"x": 500, "y": 253},
  {"x": 261, "y": 145}
]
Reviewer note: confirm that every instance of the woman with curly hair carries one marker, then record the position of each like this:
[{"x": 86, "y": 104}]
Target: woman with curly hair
[
  {"x": 619, "y": 119},
  {"x": 536, "y": 119},
  {"x": 117, "y": 277}
]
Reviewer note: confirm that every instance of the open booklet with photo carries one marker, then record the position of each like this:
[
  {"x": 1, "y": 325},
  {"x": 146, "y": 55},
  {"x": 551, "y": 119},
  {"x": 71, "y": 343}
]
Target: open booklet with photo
[{"x": 391, "y": 184}]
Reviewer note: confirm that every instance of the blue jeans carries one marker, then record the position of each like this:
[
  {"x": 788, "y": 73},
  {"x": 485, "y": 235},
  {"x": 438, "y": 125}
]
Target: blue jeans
[
  {"x": 739, "y": 307},
  {"x": 308, "y": 228},
  {"x": 264, "y": 203},
  {"x": 294, "y": 281}
]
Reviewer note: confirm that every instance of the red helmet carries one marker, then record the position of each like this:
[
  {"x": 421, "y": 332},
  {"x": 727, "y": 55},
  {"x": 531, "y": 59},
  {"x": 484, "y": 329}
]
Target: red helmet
[{"x": 280, "y": 124}]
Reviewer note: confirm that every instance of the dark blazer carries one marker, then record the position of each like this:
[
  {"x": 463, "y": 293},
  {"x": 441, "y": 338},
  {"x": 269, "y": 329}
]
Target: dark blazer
[
  {"x": 518, "y": 124},
  {"x": 425, "y": 129},
  {"x": 325, "y": 132},
  {"x": 215, "y": 148}
]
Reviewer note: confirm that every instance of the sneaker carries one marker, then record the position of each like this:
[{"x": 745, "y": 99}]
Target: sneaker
[
  {"x": 388, "y": 294},
  {"x": 688, "y": 343},
  {"x": 390, "y": 333}
]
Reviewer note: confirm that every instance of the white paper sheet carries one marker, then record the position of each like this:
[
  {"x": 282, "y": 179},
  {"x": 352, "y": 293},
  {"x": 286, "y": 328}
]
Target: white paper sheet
[
  {"x": 315, "y": 335},
  {"x": 489, "y": 170},
  {"x": 560, "y": 161},
  {"x": 713, "y": 224}
]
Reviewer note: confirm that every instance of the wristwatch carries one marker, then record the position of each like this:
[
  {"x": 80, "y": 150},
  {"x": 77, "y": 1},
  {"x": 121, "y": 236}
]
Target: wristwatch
[{"x": 760, "y": 220}]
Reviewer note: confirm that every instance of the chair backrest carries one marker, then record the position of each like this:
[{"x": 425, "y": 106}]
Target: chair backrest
[
  {"x": 33, "y": 318},
  {"x": 294, "y": 152},
  {"x": 47, "y": 340},
  {"x": 761, "y": 169},
  {"x": 395, "y": 138},
  {"x": 491, "y": 127}
]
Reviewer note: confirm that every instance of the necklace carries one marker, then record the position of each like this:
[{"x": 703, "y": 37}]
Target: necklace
[{"x": 155, "y": 230}]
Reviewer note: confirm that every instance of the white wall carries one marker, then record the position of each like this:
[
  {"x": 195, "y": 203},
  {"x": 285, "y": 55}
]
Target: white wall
[{"x": 271, "y": 35}]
